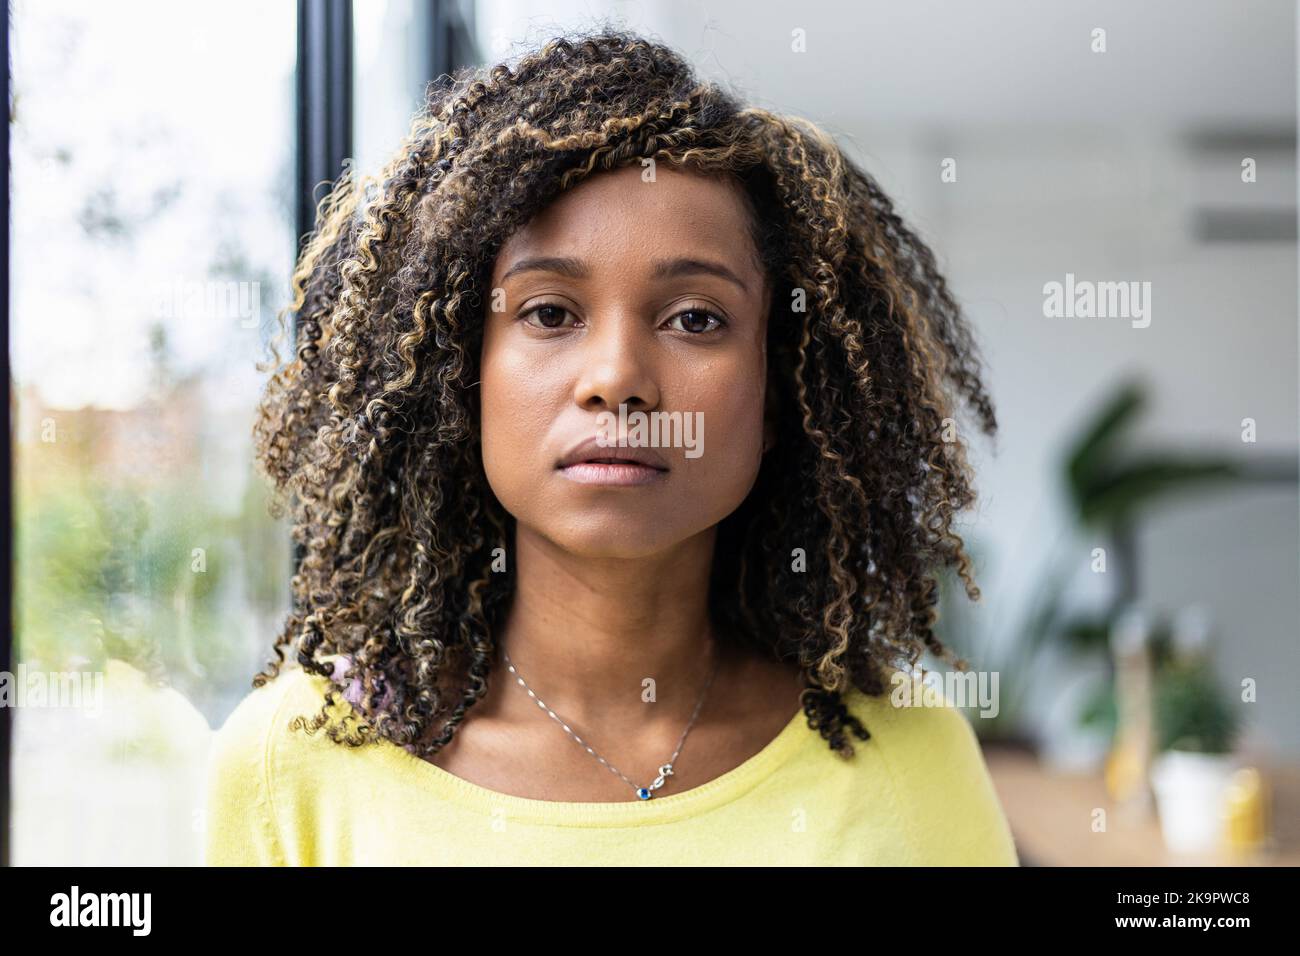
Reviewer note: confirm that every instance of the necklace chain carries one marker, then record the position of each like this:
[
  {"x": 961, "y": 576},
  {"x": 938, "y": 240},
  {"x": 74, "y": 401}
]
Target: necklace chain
[{"x": 665, "y": 770}]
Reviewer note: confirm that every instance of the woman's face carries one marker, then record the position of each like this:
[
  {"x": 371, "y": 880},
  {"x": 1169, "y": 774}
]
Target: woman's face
[{"x": 638, "y": 293}]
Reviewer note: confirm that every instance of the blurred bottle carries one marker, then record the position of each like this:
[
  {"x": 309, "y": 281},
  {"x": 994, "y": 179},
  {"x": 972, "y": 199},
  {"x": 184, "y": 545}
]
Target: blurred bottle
[
  {"x": 1246, "y": 814},
  {"x": 1129, "y": 762}
]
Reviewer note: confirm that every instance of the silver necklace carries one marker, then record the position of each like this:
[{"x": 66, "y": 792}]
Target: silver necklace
[{"x": 665, "y": 771}]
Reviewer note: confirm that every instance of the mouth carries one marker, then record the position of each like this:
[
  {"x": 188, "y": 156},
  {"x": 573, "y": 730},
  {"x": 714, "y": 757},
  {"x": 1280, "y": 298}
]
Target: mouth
[
  {"x": 612, "y": 471},
  {"x": 591, "y": 463}
]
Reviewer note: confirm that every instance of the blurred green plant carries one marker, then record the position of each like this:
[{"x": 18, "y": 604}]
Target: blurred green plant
[
  {"x": 1109, "y": 485},
  {"x": 1190, "y": 711},
  {"x": 106, "y": 569}
]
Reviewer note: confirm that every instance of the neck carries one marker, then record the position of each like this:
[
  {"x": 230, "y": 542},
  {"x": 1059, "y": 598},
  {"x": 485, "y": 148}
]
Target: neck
[{"x": 586, "y": 634}]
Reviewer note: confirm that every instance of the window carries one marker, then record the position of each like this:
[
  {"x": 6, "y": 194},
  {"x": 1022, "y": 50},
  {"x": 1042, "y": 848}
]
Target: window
[
  {"x": 166, "y": 159},
  {"x": 153, "y": 237}
]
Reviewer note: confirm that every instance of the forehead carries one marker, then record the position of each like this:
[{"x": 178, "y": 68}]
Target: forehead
[{"x": 618, "y": 212}]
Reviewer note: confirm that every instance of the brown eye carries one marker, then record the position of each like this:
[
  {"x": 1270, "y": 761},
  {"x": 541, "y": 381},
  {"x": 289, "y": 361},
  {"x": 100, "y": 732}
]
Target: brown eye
[
  {"x": 697, "y": 321},
  {"x": 549, "y": 316}
]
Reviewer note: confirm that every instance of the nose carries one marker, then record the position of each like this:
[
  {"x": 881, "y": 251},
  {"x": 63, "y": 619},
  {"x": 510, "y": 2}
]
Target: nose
[{"x": 615, "y": 366}]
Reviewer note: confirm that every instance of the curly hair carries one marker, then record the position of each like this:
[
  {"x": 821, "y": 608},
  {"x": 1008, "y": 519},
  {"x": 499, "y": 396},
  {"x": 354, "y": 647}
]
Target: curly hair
[{"x": 371, "y": 424}]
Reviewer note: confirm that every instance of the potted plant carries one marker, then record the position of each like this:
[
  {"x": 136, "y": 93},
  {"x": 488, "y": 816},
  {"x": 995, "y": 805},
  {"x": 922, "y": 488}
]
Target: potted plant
[
  {"x": 1109, "y": 481},
  {"x": 1196, "y": 731}
]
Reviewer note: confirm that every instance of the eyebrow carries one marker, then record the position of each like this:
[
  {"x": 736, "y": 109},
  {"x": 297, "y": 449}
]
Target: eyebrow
[{"x": 663, "y": 269}]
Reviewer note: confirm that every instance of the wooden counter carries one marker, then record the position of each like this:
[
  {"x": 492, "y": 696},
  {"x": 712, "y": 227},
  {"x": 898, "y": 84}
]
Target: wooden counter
[{"x": 1051, "y": 818}]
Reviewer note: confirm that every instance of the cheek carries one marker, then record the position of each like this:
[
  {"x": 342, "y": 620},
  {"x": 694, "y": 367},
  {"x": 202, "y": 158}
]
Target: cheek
[
  {"x": 731, "y": 399},
  {"x": 513, "y": 416}
]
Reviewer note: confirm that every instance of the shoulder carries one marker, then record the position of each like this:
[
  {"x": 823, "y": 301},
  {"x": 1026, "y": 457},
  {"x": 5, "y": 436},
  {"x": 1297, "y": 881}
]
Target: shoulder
[
  {"x": 264, "y": 713},
  {"x": 936, "y": 769},
  {"x": 902, "y": 717},
  {"x": 248, "y": 806}
]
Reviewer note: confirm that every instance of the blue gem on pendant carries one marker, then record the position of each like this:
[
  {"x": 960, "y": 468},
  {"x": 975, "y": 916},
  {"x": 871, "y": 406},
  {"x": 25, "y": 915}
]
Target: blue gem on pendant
[{"x": 644, "y": 793}]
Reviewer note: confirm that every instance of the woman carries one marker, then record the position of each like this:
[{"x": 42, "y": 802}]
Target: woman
[{"x": 620, "y": 434}]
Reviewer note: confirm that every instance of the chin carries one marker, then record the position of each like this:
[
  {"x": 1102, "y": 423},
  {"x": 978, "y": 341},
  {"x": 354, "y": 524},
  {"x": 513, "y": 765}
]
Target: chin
[{"x": 614, "y": 536}]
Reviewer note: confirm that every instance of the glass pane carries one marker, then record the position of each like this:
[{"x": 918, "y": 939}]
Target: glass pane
[
  {"x": 153, "y": 168},
  {"x": 392, "y": 57}
]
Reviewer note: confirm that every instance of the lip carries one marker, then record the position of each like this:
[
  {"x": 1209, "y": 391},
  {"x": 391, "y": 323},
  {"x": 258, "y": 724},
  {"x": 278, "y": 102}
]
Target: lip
[
  {"x": 617, "y": 475},
  {"x": 591, "y": 463},
  {"x": 590, "y": 449}
]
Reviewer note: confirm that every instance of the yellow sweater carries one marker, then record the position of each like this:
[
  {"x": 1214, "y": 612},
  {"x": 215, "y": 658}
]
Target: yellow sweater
[{"x": 917, "y": 793}]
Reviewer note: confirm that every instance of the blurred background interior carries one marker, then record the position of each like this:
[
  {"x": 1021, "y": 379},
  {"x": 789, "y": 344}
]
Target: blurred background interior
[{"x": 1137, "y": 537}]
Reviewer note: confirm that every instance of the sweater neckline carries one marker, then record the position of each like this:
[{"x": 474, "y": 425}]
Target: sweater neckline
[{"x": 713, "y": 793}]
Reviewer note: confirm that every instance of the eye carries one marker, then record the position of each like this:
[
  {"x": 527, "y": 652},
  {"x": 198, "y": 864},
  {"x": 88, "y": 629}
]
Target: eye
[
  {"x": 695, "y": 317},
  {"x": 549, "y": 315}
]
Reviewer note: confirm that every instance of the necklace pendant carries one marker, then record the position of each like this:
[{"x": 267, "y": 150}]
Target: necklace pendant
[{"x": 645, "y": 793}]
